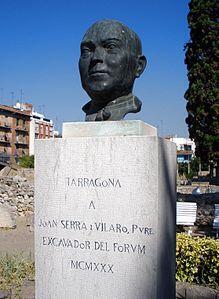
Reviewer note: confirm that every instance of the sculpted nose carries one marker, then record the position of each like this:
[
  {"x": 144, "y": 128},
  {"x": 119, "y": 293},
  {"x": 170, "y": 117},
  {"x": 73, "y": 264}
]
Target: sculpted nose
[{"x": 98, "y": 55}]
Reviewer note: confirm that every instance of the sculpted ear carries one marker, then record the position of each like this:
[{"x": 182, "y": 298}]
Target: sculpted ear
[{"x": 141, "y": 64}]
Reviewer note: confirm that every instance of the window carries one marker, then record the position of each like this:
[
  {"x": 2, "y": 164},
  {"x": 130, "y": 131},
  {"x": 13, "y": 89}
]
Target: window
[{"x": 187, "y": 147}]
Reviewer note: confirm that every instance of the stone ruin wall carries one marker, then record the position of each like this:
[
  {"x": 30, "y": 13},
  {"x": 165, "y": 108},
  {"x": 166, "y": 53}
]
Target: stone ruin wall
[{"x": 17, "y": 193}]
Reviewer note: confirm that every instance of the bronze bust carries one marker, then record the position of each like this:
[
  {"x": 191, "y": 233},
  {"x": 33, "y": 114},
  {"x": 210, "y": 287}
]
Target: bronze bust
[{"x": 111, "y": 58}]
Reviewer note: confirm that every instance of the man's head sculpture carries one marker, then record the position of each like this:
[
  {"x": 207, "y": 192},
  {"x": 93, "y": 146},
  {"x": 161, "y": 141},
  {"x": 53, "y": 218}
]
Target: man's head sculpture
[{"x": 111, "y": 58}]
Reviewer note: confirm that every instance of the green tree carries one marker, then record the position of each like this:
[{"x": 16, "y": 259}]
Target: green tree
[
  {"x": 26, "y": 161},
  {"x": 195, "y": 165},
  {"x": 202, "y": 59},
  {"x": 183, "y": 169}
]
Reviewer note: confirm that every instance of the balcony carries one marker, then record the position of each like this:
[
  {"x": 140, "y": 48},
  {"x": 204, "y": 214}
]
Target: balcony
[
  {"x": 5, "y": 126},
  {"x": 185, "y": 152},
  {"x": 4, "y": 139},
  {"x": 21, "y": 143},
  {"x": 21, "y": 129}
]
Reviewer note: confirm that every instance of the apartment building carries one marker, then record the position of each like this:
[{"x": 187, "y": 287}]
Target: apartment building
[
  {"x": 14, "y": 131},
  {"x": 185, "y": 149},
  {"x": 40, "y": 126}
]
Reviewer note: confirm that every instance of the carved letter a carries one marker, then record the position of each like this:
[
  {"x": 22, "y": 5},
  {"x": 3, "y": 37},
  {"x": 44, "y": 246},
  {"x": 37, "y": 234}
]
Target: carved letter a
[{"x": 91, "y": 205}]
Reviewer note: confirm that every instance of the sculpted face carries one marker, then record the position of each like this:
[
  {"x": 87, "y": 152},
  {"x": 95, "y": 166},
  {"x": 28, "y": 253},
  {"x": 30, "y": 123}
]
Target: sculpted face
[{"x": 108, "y": 63}]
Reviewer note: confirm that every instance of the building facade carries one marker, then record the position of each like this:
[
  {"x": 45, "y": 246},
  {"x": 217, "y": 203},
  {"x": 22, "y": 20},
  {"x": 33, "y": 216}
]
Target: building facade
[
  {"x": 14, "y": 131},
  {"x": 40, "y": 128},
  {"x": 185, "y": 149},
  {"x": 20, "y": 125}
]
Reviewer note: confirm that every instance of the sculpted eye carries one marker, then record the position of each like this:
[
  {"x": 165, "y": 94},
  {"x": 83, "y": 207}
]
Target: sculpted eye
[
  {"x": 85, "y": 51},
  {"x": 111, "y": 46}
]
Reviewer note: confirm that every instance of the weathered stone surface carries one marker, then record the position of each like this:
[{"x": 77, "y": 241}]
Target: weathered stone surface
[
  {"x": 18, "y": 193},
  {"x": 27, "y": 290},
  {"x": 30, "y": 222},
  {"x": 121, "y": 128},
  {"x": 205, "y": 189},
  {"x": 186, "y": 290},
  {"x": 4, "y": 294},
  {"x": 7, "y": 219},
  {"x": 105, "y": 217},
  {"x": 183, "y": 291},
  {"x": 23, "y": 173},
  {"x": 5, "y": 171}
]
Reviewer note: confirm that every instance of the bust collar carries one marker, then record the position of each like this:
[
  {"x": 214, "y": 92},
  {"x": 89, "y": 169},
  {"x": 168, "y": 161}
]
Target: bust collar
[{"x": 114, "y": 110}]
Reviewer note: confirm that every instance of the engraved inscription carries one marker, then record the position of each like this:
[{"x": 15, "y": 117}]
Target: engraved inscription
[
  {"x": 91, "y": 266},
  {"x": 93, "y": 182},
  {"x": 129, "y": 248},
  {"x": 83, "y": 230},
  {"x": 65, "y": 242},
  {"x": 101, "y": 227},
  {"x": 94, "y": 245}
]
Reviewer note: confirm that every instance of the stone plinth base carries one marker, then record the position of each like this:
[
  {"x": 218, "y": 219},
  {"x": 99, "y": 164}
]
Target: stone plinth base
[{"x": 105, "y": 215}]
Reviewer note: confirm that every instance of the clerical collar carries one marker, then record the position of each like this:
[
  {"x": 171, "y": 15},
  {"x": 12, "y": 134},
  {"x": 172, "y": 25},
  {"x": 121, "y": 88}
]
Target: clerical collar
[{"x": 114, "y": 110}]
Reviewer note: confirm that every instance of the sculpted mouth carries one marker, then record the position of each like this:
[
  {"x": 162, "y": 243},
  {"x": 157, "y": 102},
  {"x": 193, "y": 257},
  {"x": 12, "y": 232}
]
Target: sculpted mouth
[{"x": 97, "y": 72}]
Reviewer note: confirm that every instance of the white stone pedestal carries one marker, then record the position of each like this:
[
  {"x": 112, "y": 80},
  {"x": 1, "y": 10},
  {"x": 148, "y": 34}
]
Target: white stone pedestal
[{"x": 105, "y": 213}]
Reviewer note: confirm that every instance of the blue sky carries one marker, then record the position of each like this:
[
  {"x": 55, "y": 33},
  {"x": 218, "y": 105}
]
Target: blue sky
[{"x": 40, "y": 49}]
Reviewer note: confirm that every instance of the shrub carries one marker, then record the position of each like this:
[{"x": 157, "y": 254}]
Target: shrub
[
  {"x": 14, "y": 269},
  {"x": 197, "y": 260},
  {"x": 26, "y": 161}
]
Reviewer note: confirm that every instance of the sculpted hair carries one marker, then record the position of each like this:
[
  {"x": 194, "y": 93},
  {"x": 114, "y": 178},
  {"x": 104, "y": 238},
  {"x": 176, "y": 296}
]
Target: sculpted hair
[{"x": 133, "y": 42}]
